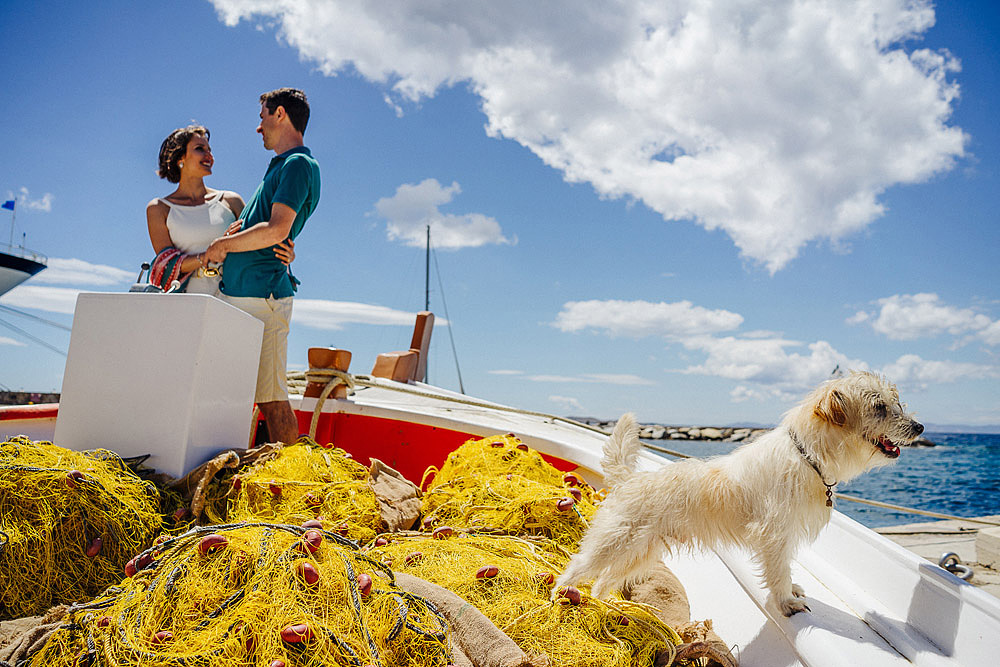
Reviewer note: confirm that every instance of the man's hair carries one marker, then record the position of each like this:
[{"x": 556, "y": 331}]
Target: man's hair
[
  {"x": 295, "y": 103},
  {"x": 174, "y": 147}
]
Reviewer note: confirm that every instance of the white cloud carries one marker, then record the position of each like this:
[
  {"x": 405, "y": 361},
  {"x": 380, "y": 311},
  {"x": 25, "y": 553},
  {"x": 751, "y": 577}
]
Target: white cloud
[
  {"x": 505, "y": 372},
  {"x": 567, "y": 402},
  {"x": 50, "y": 299},
  {"x": 68, "y": 271},
  {"x": 772, "y": 366},
  {"x": 912, "y": 316},
  {"x": 643, "y": 318},
  {"x": 624, "y": 379},
  {"x": 414, "y": 207},
  {"x": 778, "y": 122},
  {"x": 333, "y": 315},
  {"x": 912, "y": 371},
  {"x": 10, "y": 341},
  {"x": 24, "y": 201}
]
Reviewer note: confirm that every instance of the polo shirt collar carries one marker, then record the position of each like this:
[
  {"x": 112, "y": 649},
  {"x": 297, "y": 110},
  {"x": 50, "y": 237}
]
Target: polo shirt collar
[{"x": 291, "y": 151}]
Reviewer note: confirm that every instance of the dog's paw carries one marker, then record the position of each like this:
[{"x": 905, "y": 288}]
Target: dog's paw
[
  {"x": 792, "y": 606},
  {"x": 797, "y": 591}
]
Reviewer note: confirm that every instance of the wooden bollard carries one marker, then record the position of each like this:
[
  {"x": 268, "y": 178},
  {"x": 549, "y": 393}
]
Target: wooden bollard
[{"x": 328, "y": 357}]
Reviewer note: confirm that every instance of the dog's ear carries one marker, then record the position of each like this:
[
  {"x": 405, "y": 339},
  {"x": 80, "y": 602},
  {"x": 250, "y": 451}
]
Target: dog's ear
[{"x": 832, "y": 408}]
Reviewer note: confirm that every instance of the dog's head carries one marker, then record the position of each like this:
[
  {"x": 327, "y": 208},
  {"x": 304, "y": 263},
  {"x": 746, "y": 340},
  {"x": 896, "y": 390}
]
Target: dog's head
[{"x": 864, "y": 410}]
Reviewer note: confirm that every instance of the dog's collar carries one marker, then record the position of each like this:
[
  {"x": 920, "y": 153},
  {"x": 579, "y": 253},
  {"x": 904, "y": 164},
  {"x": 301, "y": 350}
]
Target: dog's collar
[{"x": 815, "y": 466}]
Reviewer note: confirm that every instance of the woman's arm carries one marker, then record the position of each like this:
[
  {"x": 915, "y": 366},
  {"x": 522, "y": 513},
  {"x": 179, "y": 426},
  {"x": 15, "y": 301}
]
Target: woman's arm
[{"x": 159, "y": 235}]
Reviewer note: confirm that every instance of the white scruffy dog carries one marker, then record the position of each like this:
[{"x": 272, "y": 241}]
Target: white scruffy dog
[{"x": 770, "y": 495}]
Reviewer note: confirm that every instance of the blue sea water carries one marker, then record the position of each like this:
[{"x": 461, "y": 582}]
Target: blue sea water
[{"x": 959, "y": 476}]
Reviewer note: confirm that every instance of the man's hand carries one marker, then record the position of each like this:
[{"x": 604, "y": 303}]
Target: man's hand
[
  {"x": 285, "y": 251},
  {"x": 216, "y": 251}
]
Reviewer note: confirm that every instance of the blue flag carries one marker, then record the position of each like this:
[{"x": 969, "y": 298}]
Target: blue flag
[{"x": 9, "y": 205}]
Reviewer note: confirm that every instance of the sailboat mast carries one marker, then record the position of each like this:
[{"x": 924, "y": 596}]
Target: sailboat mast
[{"x": 427, "y": 272}]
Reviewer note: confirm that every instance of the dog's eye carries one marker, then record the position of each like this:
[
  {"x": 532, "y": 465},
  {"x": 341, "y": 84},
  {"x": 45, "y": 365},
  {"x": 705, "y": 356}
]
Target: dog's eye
[{"x": 880, "y": 409}]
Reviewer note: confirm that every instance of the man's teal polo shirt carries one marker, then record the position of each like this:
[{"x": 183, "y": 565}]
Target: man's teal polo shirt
[{"x": 292, "y": 179}]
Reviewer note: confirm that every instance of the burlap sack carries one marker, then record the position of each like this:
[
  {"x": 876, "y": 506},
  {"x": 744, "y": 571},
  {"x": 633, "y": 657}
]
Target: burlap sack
[
  {"x": 398, "y": 497},
  {"x": 476, "y": 641},
  {"x": 22, "y": 637},
  {"x": 664, "y": 591}
]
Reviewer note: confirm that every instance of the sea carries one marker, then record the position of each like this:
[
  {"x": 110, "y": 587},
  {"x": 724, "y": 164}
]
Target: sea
[{"x": 959, "y": 476}]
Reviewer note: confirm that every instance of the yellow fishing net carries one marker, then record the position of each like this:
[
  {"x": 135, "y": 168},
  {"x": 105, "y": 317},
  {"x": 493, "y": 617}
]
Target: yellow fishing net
[
  {"x": 500, "y": 484},
  {"x": 69, "y": 521},
  {"x": 307, "y": 481},
  {"x": 509, "y": 579},
  {"x": 252, "y": 595}
]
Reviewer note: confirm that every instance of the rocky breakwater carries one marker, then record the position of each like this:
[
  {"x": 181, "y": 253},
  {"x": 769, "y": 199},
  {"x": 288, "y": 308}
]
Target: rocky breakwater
[{"x": 661, "y": 432}]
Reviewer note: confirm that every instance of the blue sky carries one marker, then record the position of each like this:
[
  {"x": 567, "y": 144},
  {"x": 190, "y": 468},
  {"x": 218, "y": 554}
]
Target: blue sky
[{"x": 690, "y": 210}]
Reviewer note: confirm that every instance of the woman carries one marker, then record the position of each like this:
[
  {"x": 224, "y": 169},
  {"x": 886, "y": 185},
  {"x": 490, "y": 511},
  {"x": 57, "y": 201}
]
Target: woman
[{"x": 182, "y": 224}]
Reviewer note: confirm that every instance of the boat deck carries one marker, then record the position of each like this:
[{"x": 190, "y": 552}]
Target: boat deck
[{"x": 932, "y": 539}]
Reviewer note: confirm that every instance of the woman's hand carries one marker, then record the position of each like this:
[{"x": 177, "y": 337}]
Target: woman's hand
[
  {"x": 285, "y": 251},
  {"x": 233, "y": 228}
]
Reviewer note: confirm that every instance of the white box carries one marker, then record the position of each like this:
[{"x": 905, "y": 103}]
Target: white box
[{"x": 170, "y": 375}]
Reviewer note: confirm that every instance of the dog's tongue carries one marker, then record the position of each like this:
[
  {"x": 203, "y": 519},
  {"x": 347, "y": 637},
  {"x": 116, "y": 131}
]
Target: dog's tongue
[{"x": 887, "y": 446}]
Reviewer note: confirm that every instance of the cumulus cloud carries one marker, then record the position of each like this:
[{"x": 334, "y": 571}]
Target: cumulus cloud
[
  {"x": 912, "y": 371},
  {"x": 774, "y": 367},
  {"x": 912, "y": 316},
  {"x": 49, "y": 299},
  {"x": 643, "y": 318},
  {"x": 778, "y": 122},
  {"x": 333, "y": 315},
  {"x": 415, "y": 206},
  {"x": 567, "y": 402},
  {"x": 69, "y": 271},
  {"x": 25, "y": 201}
]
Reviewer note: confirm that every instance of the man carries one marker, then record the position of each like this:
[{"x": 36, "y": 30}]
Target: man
[{"x": 253, "y": 278}]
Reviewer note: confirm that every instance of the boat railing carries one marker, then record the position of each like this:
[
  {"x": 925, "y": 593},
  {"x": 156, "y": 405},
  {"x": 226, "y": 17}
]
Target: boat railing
[{"x": 23, "y": 253}]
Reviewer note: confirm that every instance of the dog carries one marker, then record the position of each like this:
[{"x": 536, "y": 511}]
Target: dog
[{"x": 770, "y": 495}]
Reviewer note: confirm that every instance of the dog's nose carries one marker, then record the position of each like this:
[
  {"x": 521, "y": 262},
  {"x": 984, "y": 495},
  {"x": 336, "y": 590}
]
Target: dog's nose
[{"x": 918, "y": 428}]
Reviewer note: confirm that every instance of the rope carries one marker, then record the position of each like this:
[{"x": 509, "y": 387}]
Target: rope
[
  {"x": 368, "y": 381},
  {"x": 910, "y": 510},
  {"x": 855, "y": 499},
  {"x": 319, "y": 375}
]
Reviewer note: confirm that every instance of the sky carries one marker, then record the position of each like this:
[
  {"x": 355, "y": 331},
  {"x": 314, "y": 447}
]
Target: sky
[{"x": 692, "y": 210}]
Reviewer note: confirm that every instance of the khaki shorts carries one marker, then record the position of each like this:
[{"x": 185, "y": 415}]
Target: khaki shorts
[{"x": 272, "y": 384}]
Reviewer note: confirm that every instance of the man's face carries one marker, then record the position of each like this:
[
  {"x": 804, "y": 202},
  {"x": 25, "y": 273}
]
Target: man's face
[{"x": 268, "y": 126}]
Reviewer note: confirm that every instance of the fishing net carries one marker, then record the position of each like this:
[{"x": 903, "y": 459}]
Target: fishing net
[
  {"x": 509, "y": 579},
  {"x": 69, "y": 522},
  {"x": 500, "y": 484},
  {"x": 306, "y": 481},
  {"x": 252, "y": 595}
]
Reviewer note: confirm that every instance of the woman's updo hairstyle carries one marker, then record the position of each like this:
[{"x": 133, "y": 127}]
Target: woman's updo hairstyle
[{"x": 173, "y": 148}]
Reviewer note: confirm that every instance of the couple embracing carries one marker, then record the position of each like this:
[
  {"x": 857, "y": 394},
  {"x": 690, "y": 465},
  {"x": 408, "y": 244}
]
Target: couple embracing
[{"x": 241, "y": 252}]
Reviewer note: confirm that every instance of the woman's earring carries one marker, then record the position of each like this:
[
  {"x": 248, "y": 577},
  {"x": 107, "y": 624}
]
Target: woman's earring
[{"x": 180, "y": 165}]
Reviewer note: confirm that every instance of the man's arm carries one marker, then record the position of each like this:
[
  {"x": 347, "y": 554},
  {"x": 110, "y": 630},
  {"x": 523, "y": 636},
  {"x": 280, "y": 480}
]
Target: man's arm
[{"x": 261, "y": 235}]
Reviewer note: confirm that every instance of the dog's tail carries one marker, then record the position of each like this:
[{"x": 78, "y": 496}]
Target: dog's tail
[{"x": 620, "y": 451}]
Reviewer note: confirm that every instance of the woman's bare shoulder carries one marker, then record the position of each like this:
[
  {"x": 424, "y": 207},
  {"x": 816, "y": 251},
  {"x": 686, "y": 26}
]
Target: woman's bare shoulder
[{"x": 156, "y": 202}]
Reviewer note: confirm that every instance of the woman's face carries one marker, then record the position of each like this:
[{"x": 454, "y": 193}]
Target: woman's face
[{"x": 198, "y": 158}]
